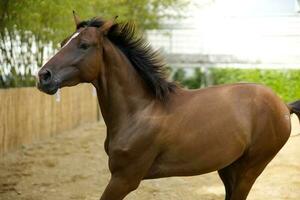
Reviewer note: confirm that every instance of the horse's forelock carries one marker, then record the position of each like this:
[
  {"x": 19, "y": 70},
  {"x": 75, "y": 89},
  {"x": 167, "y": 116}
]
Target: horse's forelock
[{"x": 94, "y": 22}]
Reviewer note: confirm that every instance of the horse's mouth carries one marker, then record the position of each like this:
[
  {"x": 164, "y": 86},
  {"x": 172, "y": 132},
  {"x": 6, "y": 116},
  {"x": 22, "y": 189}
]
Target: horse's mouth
[{"x": 49, "y": 89}]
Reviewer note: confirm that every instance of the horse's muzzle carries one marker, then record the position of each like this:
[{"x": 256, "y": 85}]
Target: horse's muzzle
[{"x": 46, "y": 82}]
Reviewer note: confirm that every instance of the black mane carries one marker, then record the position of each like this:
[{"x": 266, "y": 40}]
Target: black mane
[{"x": 145, "y": 60}]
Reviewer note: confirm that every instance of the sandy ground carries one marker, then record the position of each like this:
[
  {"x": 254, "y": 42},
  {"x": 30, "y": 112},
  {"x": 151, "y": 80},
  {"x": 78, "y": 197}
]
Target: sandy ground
[{"x": 73, "y": 166}]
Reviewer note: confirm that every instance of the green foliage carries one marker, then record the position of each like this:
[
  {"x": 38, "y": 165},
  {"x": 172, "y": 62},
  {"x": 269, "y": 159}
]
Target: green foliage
[
  {"x": 191, "y": 82},
  {"x": 286, "y": 83},
  {"x": 53, "y": 20}
]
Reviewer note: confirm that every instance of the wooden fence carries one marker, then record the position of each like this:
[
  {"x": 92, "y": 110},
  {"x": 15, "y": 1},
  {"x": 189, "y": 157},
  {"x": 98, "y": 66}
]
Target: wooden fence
[{"x": 27, "y": 115}]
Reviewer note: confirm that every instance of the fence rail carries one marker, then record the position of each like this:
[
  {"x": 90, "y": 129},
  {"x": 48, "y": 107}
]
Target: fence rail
[{"x": 27, "y": 115}]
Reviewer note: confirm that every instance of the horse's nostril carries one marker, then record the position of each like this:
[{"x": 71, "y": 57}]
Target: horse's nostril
[{"x": 45, "y": 76}]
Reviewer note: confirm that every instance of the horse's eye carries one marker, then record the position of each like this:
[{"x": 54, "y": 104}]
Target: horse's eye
[{"x": 84, "y": 46}]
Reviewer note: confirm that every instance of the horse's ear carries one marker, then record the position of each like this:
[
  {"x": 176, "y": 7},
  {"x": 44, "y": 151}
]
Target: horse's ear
[
  {"x": 76, "y": 19},
  {"x": 107, "y": 25}
]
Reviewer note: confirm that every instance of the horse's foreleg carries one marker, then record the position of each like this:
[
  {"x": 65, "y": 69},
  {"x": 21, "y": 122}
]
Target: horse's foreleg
[
  {"x": 119, "y": 186},
  {"x": 127, "y": 173}
]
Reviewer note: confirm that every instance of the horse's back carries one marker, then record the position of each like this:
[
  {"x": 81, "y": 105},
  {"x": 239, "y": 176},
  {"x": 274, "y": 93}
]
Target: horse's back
[
  {"x": 257, "y": 108},
  {"x": 253, "y": 104}
]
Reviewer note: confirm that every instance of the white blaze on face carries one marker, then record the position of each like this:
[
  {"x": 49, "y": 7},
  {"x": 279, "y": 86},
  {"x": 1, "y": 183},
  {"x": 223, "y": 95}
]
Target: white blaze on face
[{"x": 73, "y": 36}]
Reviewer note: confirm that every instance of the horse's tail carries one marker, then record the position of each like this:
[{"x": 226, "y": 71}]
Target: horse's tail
[{"x": 294, "y": 107}]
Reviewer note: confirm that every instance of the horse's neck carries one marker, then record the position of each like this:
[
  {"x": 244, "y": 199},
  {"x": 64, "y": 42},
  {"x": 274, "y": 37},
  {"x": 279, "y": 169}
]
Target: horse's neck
[{"x": 121, "y": 92}]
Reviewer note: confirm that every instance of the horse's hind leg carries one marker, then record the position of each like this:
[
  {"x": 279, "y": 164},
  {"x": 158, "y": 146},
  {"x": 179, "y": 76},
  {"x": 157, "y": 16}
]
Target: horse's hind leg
[
  {"x": 227, "y": 178},
  {"x": 271, "y": 133},
  {"x": 239, "y": 177}
]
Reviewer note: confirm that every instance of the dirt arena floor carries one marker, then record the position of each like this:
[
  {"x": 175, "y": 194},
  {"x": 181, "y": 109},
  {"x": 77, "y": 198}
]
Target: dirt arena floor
[{"x": 73, "y": 166}]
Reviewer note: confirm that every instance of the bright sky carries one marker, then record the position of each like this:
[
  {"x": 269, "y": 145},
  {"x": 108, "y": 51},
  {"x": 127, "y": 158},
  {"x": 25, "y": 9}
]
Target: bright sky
[
  {"x": 255, "y": 7},
  {"x": 237, "y": 8},
  {"x": 266, "y": 29}
]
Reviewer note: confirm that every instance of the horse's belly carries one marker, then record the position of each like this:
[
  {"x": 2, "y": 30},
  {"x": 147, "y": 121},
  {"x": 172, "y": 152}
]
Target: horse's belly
[{"x": 196, "y": 157}]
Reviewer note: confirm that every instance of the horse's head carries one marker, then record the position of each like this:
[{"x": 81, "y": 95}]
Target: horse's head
[{"x": 79, "y": 59}]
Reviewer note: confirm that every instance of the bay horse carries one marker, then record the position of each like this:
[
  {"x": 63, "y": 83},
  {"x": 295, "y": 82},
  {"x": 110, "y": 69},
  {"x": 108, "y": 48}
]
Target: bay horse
[{"x": 157, "y": 129}]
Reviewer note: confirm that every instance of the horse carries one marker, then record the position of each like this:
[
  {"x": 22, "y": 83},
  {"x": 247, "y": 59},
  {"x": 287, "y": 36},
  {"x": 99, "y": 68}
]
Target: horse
[{"x": 156, "y": 128}]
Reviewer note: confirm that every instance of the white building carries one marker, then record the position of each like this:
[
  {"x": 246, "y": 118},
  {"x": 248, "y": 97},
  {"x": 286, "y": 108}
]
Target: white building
[{"x": 261, "y": 32}]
